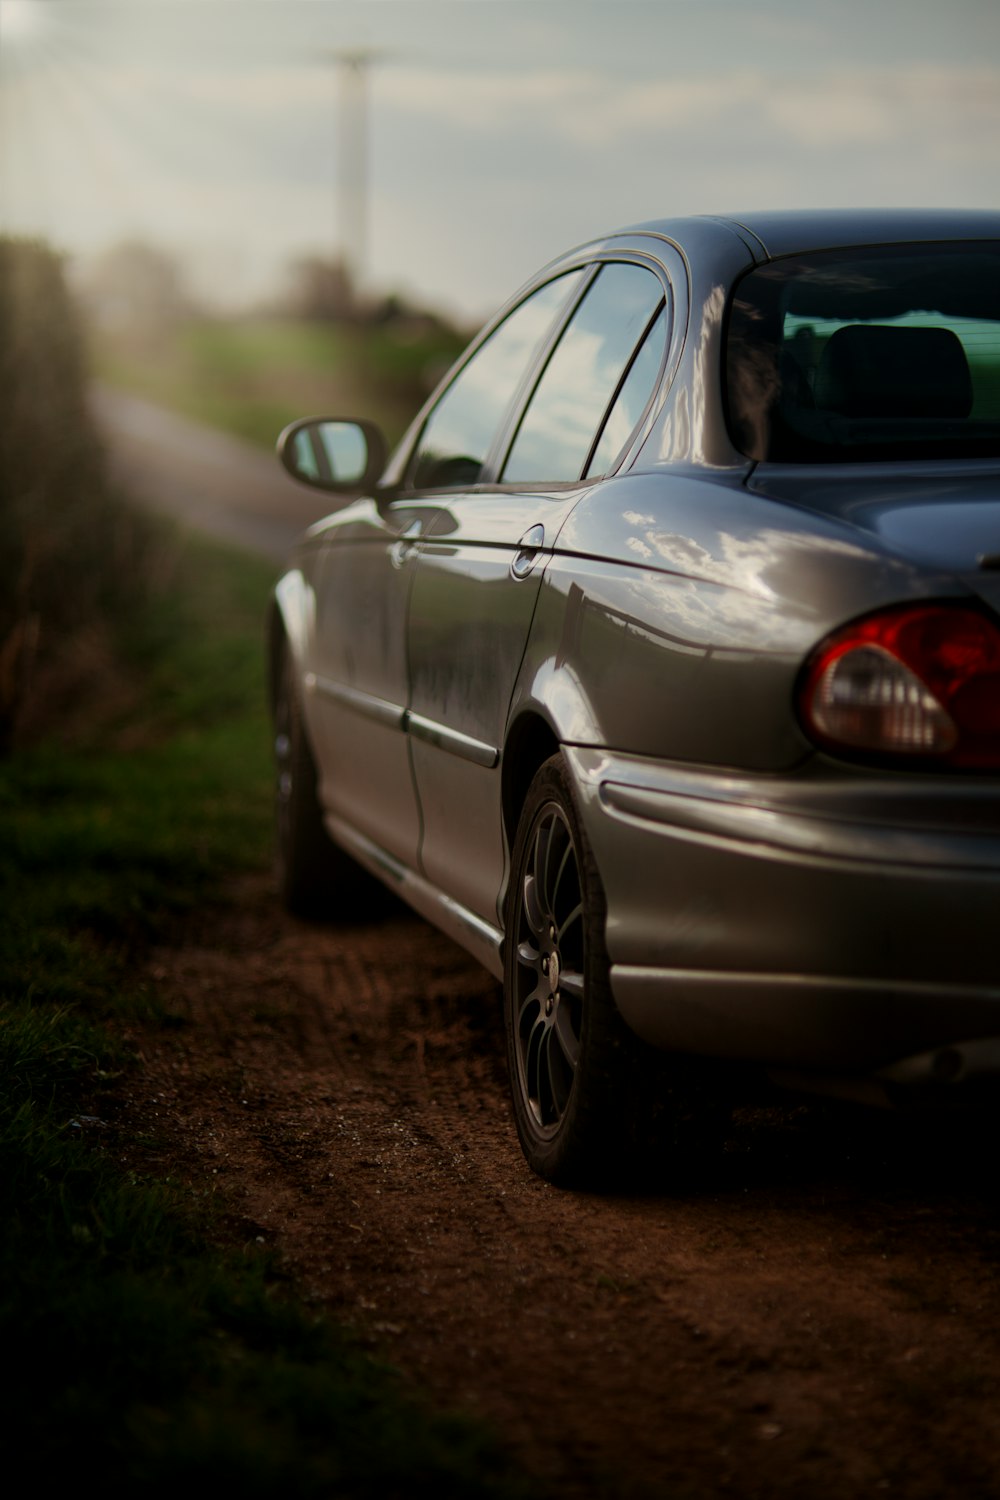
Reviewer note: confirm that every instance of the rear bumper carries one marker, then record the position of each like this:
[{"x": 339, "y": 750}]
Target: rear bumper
[{"x": 823, "y": 921}]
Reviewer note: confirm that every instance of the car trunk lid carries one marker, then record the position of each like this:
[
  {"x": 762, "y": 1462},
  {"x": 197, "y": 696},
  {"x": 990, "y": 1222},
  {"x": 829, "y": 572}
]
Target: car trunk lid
[{"x": 940, "y": 516}]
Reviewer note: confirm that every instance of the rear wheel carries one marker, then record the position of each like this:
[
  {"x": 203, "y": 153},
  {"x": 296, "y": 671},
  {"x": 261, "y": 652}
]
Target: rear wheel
[
  {"x": 586, "y": 1092},
  {"x": 311, "y": 868}
]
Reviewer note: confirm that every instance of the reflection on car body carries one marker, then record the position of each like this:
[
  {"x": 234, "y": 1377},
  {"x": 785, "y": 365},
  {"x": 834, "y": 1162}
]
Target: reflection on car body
[{"x": 660, "y": 666}]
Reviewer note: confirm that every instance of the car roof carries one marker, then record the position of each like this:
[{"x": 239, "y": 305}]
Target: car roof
[{"x": 792, "y": 232}]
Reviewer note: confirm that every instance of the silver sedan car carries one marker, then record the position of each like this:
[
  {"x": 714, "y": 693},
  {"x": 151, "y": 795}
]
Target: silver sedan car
[{"x": 660, "y": 667}]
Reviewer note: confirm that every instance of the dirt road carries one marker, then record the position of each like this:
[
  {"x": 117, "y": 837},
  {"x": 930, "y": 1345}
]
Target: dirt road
[
  {"x": 816, "y": 1317},
  {"x": 203, "y": 478}
]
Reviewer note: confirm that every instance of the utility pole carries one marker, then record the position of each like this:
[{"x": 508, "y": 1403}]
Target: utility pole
[{"x": 352, "y": 160}]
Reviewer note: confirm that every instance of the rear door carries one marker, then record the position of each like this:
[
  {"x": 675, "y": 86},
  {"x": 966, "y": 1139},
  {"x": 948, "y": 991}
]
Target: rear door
[{"x": 479, "y": 571}]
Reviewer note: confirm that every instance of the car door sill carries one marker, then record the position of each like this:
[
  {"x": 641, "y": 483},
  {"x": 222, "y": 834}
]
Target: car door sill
[{"x": 476, "y": 936}]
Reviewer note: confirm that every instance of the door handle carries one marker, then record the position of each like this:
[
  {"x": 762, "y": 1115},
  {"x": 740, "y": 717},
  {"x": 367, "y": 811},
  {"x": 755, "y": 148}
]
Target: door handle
[
  {"x": 528, "y": 547},
  {"x": 402, "y": 548}
]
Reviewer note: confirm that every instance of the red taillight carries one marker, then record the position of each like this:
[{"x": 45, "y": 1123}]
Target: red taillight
[{"x": 916, "y": 681}]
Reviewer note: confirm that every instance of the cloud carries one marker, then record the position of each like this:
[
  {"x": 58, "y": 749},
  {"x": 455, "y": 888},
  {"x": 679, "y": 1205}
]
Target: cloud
[
  {"x": 948, "y": 107},
  {"x": 479, "y": 174}
]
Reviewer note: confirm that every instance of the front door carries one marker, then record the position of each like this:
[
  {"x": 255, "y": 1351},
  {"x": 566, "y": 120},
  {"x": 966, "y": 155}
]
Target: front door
[{"x": 357, "y": 682}]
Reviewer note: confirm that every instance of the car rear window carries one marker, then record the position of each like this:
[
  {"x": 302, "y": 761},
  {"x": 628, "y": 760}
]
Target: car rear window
[{"x": 870, "y": 353}]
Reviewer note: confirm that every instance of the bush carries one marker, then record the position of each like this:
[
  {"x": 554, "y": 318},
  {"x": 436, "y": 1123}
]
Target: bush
[{"x": 69, "y": 554}]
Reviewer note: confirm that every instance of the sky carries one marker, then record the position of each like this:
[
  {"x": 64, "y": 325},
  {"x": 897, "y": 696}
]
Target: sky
[{"x": 499, "y": 132}]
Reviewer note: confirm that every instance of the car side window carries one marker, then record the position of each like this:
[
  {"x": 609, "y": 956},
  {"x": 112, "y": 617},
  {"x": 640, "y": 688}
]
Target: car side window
[
  {"x": 630, "y": 403},
  {"x": 583, "y": 376},
  {"x": 460, "y": 430}
]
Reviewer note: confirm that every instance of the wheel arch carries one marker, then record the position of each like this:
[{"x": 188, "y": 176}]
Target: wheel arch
[
  {"x": 289, "y": 626},
  {"x": 531, "y": 741},
  {"x": 276, "y": 646}
]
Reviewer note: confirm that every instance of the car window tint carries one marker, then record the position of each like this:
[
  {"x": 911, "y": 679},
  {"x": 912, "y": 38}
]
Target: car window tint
[
  {"x": 580, "y": 380},
  {"x": 461, "y": 428},
  {"x": 630, "y": 402},
  {"x": 870, "y": 353}
]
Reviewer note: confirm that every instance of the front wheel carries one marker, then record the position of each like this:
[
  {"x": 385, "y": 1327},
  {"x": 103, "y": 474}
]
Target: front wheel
[
  {"x": 312, "y": 871},
  {"x": 584, "y": 1087}
]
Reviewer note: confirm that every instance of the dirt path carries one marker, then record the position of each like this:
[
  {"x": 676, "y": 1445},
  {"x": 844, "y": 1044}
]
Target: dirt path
[
  {"x": 201, "y": 477},
  {"x": 817, "y": 1319}
]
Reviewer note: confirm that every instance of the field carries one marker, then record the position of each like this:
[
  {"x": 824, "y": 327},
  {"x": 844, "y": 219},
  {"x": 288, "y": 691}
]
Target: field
[{"x": 253, "y": 377}]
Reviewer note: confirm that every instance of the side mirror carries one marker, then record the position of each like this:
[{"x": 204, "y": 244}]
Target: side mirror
[{"x": 329, "y": 454}]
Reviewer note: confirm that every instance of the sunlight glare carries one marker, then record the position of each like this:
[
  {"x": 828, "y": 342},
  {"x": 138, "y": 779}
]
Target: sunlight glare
[{"x": 20, "y": 20}]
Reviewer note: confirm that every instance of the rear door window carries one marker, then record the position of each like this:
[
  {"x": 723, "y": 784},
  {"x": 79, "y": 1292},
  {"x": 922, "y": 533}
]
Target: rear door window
[
  {"x": 462, "y": 426},
  {"x": 630, "y": 403},
  {"x": 586, "y": 372}
]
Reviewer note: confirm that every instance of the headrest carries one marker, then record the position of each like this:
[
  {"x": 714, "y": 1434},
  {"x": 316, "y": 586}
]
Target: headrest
[{"x": 877, "y": 371}]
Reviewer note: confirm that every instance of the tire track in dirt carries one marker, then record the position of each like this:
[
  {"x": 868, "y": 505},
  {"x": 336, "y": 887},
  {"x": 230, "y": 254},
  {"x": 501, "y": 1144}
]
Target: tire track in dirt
[{"x": 817, "y": 1317}]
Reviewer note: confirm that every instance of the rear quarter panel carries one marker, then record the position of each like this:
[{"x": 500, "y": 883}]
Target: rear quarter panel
[{"x": 677, "y": 610}]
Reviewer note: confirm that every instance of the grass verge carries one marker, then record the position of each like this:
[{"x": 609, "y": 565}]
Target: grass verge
[
  {"x": 253, "y": 377},
  {"x": 138, "y": 1357}
]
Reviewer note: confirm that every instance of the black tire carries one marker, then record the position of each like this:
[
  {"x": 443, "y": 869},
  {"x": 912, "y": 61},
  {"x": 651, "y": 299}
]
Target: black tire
[
  {"x": 311, "y": 869},
  {"x": 568, "y": 1050},
  {"x": 593, "y": 1104}
]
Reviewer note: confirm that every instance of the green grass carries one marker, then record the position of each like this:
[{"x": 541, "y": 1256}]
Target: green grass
[
  {"x": 138, "y": 1359},
  {"x": 253, "y": 377}
]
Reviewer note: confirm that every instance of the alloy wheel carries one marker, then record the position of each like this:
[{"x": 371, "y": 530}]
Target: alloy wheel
[{"x": 549, "y": 970}]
